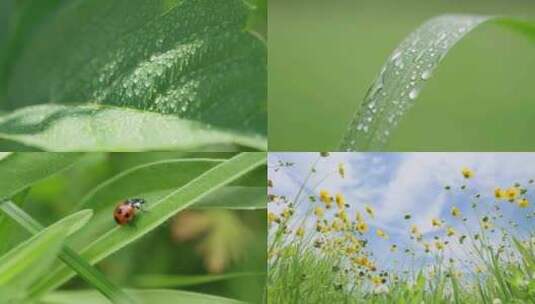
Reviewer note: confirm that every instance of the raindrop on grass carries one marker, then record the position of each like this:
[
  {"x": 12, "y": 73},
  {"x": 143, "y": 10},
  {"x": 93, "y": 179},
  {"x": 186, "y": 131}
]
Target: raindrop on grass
[
  {"x": 413, "y": 94},
  {"x": 426, "y": 75}
]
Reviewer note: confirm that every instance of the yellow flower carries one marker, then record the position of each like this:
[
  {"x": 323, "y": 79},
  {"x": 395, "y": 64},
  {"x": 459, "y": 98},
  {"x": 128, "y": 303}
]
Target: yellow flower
[
  {"x": 272, "y": 217},
  {"x": 287, "y": 212},
  {"x": 337, "y": 224},
  {"x": 414, "y": 229},
  {"x": 512, "y": 193},
  {"x": 359, "y": 217},
  {"x": 393, "y": 248},
  {"x": 382, "y": 234},
  {"x": 439, "y": 245},
  {"x": 427, "y": 247},
  {"x": 340, "y": 201},
  {"x": 377, "y": 280},
  {"x": 467, "y": 173},
  {"x": 436, "y": 222},
  {"x": 341, "y": 170},
  {"x": 499, "y": 193},
  {"x": 523, "y": 203},
  {"x": 455, "y": 212},
  {"x": 343, "y": 216},
  {"x": 450, "y": 231},
  {"x": 325, "y": 197},
  {"x": 319, "y": 212},
  {"x": 362, "y": 227},
  {"x": 361, "y": 261},
  {"x": 300, "y": 232},
  {"x": 370, "y": 211}
]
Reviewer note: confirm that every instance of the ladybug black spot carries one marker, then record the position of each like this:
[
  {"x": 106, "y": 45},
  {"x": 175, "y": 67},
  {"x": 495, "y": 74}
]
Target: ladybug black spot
[
  {"x": 127, "y": 215},
  {"x": 119, "y": 211}
]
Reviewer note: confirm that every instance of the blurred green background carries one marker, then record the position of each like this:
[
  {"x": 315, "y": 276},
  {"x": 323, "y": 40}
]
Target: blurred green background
[
  {"x": 323, "y": 56},
  {"x": 194, "y": 242}
]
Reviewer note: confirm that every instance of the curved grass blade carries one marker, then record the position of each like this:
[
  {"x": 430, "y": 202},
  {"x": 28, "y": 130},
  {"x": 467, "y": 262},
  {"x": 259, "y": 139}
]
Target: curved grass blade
[
  {"x": 87, "y": 272},
  {"x": 164, "y": 174},
  {"x": 21, "y": 170},
  {"x": 22, "y": 265},
  {"x": 174, "y": 281},
  {"x": 93, "y": 127},
  {"x": 168, "y": 174},
  {"x": 194, "y": 60},
  {"x": 235, "y": 197},
  {"x": 158, "y": 212},
  {"x": 406, "y": 72},
  {"x": 159, "y": 296}
]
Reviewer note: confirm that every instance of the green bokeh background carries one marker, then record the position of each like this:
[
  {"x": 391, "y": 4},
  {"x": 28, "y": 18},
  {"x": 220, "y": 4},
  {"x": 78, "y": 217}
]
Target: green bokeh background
[{"x": 323, "y": 55}]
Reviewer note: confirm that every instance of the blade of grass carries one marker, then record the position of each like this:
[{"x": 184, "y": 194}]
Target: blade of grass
[
  {"x": 235, "y": 197},
  {"x": 407, "y": 71},
  {"x": 146, "y": 296},
  {"x": 87, "y": 272},
  {"x": 21, "y": 170},
  {"x": 152, "y": 181},
  {"x": 23, "y": 264},
  {"x": 174, "y": 281},
  {"x": 158, "y": 213}
]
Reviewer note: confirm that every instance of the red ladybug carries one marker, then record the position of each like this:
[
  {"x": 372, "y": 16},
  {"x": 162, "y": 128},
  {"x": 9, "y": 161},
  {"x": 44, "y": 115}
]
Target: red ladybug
[{"x": 125, "y": 212}]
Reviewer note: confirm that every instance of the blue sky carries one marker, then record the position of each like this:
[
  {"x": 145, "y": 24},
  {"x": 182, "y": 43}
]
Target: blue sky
[{"x": 398, "y": 183}]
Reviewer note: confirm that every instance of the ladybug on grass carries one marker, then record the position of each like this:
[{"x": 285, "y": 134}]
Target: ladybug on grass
[{"x": 125, "y": 212}]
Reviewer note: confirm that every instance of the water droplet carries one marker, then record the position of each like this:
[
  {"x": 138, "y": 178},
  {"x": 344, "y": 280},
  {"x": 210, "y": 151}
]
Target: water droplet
[
  {"x": 426, "y": 75},
  {"x": 413, "y": 94}
]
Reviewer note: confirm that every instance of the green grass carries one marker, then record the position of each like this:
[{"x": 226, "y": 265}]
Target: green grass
[
  {"x": 486, "y": 254},
  {"x": 324, "y": 57},
  {"x": 38, "y": 268}
]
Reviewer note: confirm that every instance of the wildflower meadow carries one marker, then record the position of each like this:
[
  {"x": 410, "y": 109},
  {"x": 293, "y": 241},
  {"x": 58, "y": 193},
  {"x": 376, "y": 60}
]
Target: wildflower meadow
[{"x": 401, "y": 228}]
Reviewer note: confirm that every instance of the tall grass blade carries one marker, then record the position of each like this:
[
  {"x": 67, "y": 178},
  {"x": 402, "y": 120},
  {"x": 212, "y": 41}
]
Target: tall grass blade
[
  {"x": 21, "y": 170},
  {"x": 174, "y": 281},
  {"x": 407, "y": 71},
  {"x": 87, "y": 272},
  {"x": 146, "y": 296}
]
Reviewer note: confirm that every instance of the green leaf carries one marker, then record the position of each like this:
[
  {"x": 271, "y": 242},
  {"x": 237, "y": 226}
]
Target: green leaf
[
  {"x": 21, "y": 170},
  {"x": 24, "y": 264},
  {"x": 407, "y": 71},
  {"x": 236, "y": 197},
  {"x": 158, "y": 212},
  {"x": 193, "y": 60},
  {"x": 87, "y": 272},
  {"x": 173, "y": 281},
  {"x": 112, "y": 128},
  {"x": 146, "y": 296}
]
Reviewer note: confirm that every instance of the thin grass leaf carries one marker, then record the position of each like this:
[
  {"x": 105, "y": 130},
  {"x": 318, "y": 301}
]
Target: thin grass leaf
[
  {"x": 235, "y": 197},
  {"x": 21, "y": 170},
  {"x": 158, "y": 213},
  {"x": 174, "y": 281},
  {"x": 153, "y": 176},
  {"x": 87, "y": 128},
  {"x": 22, "y": 265},
  {"x": 406, "y": 72},
  {"x": 6, "y": 225},
  {"x": 192, "y": 60},
  {"x": 146, "y": 296},
  {"x": 155, "y": 180},
  {"x": 87, "y": 272}
]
